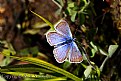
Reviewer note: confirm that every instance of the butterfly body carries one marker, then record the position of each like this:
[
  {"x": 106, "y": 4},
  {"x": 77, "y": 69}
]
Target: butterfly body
[
  {"x": 68, "y": 41},
  {"x": 65, "y": 47}
]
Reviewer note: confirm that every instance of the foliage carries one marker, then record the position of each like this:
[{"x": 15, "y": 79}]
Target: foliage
[{"x": 35, "y": 61}]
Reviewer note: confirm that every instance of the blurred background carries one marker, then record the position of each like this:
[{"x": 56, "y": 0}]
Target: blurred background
[{"x": 97, "y": 24}]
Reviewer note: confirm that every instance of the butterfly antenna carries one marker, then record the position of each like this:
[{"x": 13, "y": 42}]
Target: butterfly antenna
[{"x": 85, "y": 53}]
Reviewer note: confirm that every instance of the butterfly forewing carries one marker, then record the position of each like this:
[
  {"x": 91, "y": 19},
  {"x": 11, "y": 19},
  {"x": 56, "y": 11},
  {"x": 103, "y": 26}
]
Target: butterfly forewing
[
  {"x": 55, "y": 38},
  {"x": 75, "y": 55},
  {"x": 61, "y": 53},
  {"x": 64, "y": 43},
  {"x": 62, "y": 27}
]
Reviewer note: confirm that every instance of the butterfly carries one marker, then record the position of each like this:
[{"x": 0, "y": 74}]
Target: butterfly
[{"x": 64, "y": 44}]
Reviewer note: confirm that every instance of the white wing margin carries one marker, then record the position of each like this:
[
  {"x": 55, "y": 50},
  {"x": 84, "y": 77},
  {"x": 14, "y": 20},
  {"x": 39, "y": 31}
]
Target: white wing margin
[
  {"x": 62, "y": 27},
  {"x": 54, "y": 38},
  {"x": 75, "y": 54},
  {"x": 61, "y": 53}
]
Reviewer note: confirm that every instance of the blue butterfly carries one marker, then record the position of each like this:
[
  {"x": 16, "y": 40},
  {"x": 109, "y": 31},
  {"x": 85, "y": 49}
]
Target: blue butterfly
[{"x": 65, "y": 47}]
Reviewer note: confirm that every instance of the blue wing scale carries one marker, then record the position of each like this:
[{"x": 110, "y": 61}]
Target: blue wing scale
[
  {"x": 54, "y": 38},
  {"x": 62, "y": 27},
  {"x": 61, "y": 53},
  {"x": 75, "y": 55}
]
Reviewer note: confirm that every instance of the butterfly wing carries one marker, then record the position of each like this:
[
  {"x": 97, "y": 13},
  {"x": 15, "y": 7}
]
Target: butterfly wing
[
  {"x": 62, "y": 27},
  {"x": 75, "y": 55},
  {"x": 54, "y": 38},
  {"x": 61, "y": 53}
]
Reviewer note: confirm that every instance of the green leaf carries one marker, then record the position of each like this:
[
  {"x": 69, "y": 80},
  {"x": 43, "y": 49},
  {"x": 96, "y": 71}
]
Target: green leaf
[
  {"x": 34, "y": 50},
  {"x": 85, "y": 66},
  {"x": 98, "y": 71},
  {"x": 73, "y": 16},
  {"x": 94, "y": 49},
  {"x": 88, "y": 71},
  {"x": 68, "y": 10},
  {"x": 6, "y": 51},
  {"x": 47, "y": 66},
  {"x": 94, "y": 46},
  {"x": 6, "y": 61},
  {"x": 103, "y": 52},
  {"x": 93, "y": 52},
  {"x": 24, "y": 68},
  {"x": 71, "y": 4},
  {"x": 66, "y": 65},
  {"x": 9, "y": 48},
  {"x": 103, "y": 63},
  {"x": 45, "y": 79},
  {"x": 1, "y": 78},
  {"x": 39, "y": 25},
  {"x": 45, "y": 20},
  {"x": 112, "y": 49},
  {"x": 9, "y": 51},
  {"x": 85, "y": 6},
  {"x": 23, "y": 52},
  {"x": 42, "y": 55},
  {"x": 57, "y": 79}
]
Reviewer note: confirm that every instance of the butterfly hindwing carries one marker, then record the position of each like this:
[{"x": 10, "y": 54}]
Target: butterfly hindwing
[
  {"x": 61, "y": 53},
  {"x": 65, "y": 47},
  {"x": 75, "y": 55},
  {"x": 55, "y": 38}
]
